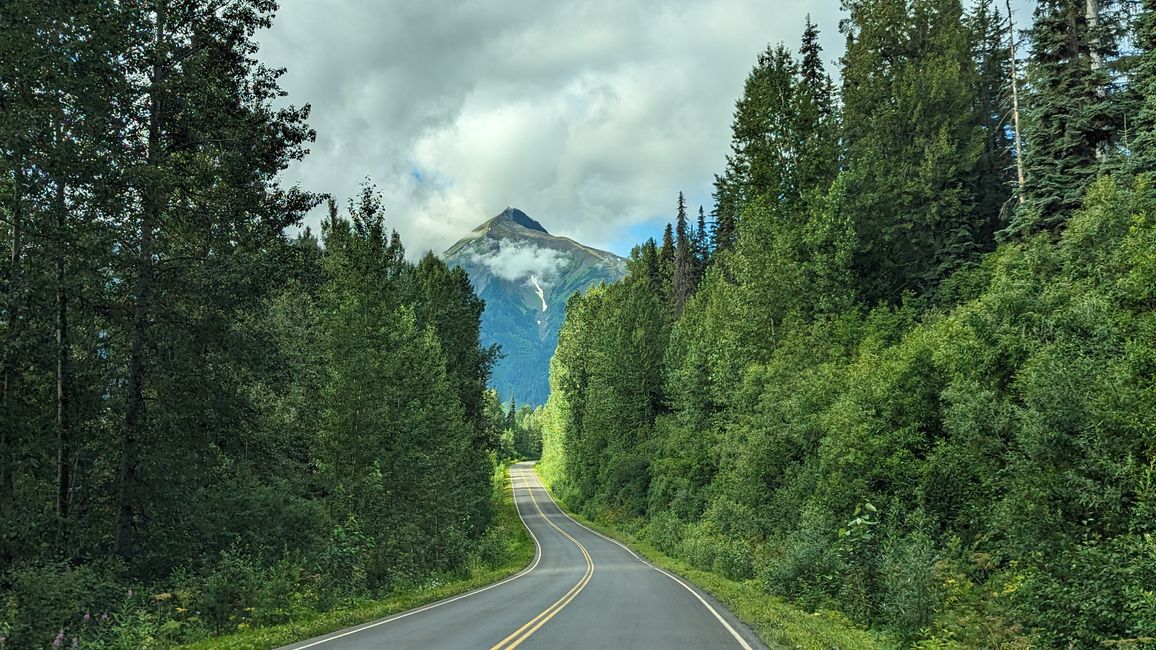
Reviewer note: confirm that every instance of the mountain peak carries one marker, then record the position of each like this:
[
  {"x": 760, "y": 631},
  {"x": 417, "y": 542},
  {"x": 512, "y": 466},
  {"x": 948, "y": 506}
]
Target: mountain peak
[
  {"x": 516, "y": 216},
  {"x": 525, "y": 275}
]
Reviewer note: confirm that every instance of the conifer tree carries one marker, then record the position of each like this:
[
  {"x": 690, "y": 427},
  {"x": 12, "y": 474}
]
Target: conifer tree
[
  {"x": 649, "y": 267},
  {"x": 992, "y": 177},
  {"x": 1070, "y": 120},
  {"x": 762, "y": 141},
  {"x": 1143, "y": 143},
  {"x": 684, "y": 260},
  {"x": 912, "y": 139},
  {"x": 511, "y": 415},
  {"x": 701, "y": 246},
  {"x": 814, "y": 117},
  {"x": 666, "y": 261}
]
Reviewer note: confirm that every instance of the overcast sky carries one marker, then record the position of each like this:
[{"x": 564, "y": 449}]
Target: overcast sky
[{"x": 588, "y": 115}]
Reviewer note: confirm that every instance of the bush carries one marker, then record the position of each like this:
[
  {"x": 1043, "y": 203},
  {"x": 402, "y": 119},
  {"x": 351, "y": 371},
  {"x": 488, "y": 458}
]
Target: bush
[
  {"x": 911, "y": 593},
  {"x": 46, "y": 599}
]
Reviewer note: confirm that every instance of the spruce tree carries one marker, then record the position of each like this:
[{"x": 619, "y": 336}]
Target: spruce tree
[
  {"x": 1070, "y": 120},
  {"x": 912, "y": 140},
  {"x": 762, "y": 144},
  {"x": 992, "y": 177},
  {"x": 212, "y": 145},
  {"x": 701, "y": 246},
  {"x": 684, "y": 260},
  {"x": 815, "y": 127},
  {"x": 1142, "y": 144},
  {"x": 666, "y": 262}
]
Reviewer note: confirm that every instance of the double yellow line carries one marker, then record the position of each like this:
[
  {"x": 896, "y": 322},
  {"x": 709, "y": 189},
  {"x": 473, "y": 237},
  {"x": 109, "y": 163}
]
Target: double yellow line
[{"x": 521, "y": 634}]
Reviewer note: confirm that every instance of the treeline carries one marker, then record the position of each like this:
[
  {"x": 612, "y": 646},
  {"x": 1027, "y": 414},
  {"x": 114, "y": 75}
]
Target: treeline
[
  {"x": 205, "y": 423},
  {"x": 903, "y": 385},
  {"x": 521, "y": 430}
]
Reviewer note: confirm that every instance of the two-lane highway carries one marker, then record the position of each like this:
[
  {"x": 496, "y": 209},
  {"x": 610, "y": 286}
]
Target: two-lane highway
[{"x": 582, "y": 590}]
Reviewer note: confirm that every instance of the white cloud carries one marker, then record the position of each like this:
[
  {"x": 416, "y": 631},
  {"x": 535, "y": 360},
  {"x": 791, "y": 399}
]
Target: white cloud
[
  {"x": 515, "y": 261},
  {"x": 589, "y": 115}
]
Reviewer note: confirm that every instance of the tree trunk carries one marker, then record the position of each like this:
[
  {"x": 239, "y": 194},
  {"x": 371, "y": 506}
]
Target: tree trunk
[
  {"x": 135, "y": 417},
  {"x": 1096, "y": 54},
  {"x": 64, "y": 445},
  {"x": 14, "y": 308},
  {"x": 1016, "y": 102}
]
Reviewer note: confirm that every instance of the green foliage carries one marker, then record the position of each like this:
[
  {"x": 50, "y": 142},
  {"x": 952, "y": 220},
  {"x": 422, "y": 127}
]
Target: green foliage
[
  {"x": 235, "y": 426},
  {"x": 1073, "y": 117},
  {"x": 976, "y": 475},
  {"x": 778, "y": 623}
]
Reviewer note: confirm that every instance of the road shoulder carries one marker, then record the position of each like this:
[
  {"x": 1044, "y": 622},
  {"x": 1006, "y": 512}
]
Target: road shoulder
[{"x": 777, "y": 623}]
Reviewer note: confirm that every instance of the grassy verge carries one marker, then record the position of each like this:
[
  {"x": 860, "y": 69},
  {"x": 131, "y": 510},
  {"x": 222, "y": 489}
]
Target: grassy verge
[
  {"x": 778, "y": 623},
  {"x": 506, "y": 521}
]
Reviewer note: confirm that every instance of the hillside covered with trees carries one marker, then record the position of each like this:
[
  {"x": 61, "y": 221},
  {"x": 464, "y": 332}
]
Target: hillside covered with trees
[
  {"x": 208, "y": 424},
  {"x": 911, "y": 373}
]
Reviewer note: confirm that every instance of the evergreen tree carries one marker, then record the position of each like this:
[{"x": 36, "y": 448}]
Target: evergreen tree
[
  {"x": 992, "y": 177},
  {"x": 684, "y": 260},
  {"x": 666, "y": 262},
  {"x": 815, "y": 127},
  {"x": 1143, "y": 144},
  {"x": 701, "y": 247},
  {"x": 645, "y": 265},
  {"x": 912, "y": 139},
  {"x": 1070, "y": 119}
]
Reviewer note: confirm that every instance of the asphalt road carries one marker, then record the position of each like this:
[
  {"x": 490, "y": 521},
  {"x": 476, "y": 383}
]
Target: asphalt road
[{"x": 581, "y": 591}]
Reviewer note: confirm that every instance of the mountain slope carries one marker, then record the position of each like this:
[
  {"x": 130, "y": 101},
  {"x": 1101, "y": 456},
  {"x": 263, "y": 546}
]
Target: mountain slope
[{"x": 525, "y": 275}]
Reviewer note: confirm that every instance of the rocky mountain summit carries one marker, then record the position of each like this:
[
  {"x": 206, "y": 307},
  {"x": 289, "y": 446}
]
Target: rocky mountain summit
[{"x": 525, "y": 275}]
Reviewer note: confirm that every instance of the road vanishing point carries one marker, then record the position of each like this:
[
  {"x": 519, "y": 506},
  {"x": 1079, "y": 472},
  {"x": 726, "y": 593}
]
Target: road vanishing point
[{"x": 582, "y": 590}]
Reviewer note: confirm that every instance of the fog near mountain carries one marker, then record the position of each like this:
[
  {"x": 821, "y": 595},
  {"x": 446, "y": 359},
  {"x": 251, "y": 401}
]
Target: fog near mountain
[
  {"x": 525, "y": 275},
  {"x": 516, "y": 261}
]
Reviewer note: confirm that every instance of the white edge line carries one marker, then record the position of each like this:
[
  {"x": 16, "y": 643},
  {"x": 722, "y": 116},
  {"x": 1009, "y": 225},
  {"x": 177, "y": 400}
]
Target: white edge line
[
  {"x": 533, "y": 565},
  {"x": 738, "y": 637}
]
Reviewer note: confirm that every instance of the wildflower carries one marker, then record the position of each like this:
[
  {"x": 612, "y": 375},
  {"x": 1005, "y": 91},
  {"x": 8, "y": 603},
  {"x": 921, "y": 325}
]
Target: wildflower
[
  {"x": 75, "y": 643},
  {"x": 104, "y": 617},
  {"x": 130, "y": 592},
  {"x": 87, "y": 617},
  {"x": 59, "y": 640}
]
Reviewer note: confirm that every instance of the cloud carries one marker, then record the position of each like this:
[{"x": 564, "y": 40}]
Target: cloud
[
  {"x": 519, "y": 260},
  {"x": 589, "y": 115}
]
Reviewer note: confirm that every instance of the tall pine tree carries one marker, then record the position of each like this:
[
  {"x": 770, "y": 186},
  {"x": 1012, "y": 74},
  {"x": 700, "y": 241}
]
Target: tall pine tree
[{"x": 684, "y": 259}]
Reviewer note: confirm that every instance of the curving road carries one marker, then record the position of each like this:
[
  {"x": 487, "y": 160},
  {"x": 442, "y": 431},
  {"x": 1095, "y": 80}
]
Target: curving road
[{"x": 582, "y": 590}]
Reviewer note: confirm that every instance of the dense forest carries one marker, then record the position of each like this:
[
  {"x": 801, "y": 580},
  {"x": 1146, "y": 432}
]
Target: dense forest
[
  {"x": 907, "y": 370},
  {"x": 208, "y": 423}
]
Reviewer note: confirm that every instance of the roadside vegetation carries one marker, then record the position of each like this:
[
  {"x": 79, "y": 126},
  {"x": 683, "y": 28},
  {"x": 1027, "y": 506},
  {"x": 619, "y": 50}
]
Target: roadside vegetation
[
  {"x": 891, "y": 381},
  {"x": 778, "y": 623},
  {"x": 506, "y": 550},
  {"x": 212, "y": 422}
]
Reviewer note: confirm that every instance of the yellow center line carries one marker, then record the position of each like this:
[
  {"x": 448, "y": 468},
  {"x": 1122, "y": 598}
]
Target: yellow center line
[{"x": 521, "y": 634}]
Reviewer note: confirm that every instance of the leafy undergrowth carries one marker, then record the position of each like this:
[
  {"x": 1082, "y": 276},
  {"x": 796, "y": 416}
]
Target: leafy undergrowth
[
  {"x": 778, "y": 623},
  {"x": 508, "y": 527}
]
